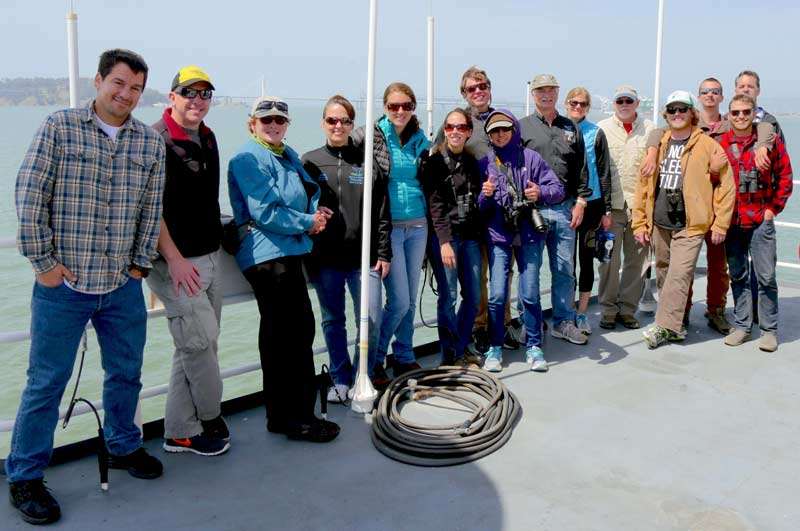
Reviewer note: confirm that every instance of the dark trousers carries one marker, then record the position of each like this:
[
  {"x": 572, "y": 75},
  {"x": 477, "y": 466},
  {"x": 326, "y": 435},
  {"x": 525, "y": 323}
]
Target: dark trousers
[
  {"x": 585, "y": 246},
  {"x": 285, "y": 339}
]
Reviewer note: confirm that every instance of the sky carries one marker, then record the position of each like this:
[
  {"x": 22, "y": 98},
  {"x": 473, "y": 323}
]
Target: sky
[{"x": 315, "y": 48}]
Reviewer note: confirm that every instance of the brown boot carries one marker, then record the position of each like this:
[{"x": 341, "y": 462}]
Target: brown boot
[{"x": 717, "y": 321}]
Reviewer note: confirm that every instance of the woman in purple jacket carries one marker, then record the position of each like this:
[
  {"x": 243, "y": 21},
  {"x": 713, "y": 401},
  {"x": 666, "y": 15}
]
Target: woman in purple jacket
[{"x": 516, "y": 181}]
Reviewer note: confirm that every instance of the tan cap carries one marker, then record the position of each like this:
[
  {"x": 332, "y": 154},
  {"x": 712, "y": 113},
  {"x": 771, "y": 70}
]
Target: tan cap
[{"x": 544, "y": 80}]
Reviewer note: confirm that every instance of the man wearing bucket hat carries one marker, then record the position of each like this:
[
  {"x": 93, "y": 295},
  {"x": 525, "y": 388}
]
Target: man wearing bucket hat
[
  {"x": 675, "y": 227},
  {"x": 187, "y": 276}
]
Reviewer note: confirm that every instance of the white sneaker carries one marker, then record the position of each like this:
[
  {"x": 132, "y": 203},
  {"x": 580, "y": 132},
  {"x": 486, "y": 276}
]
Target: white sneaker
[
  {"x": 567, "y": 330},
  {"x": 338, "y": 394},
  {"x": 494, "y": 360},
  {"x": 535, "y": 358}
]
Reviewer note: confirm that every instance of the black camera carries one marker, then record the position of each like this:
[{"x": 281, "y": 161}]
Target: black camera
[
  {"x": 537, "y": 219},
  {"x": 748, "y": 181}
]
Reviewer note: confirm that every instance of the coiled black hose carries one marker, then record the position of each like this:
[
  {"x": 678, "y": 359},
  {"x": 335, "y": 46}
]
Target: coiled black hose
[{"x": 495, "y": 411}]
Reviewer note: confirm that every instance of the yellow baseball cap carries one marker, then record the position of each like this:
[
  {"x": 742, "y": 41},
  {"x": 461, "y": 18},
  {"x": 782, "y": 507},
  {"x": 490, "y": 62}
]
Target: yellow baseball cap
[{"x": 189, "y": 75}]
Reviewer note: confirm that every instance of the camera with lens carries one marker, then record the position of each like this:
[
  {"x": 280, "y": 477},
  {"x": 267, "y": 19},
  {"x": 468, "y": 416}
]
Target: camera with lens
[
  {"x": 675, "y": 200},
  {"x": 748, "y": 181},
  {"x": 464, "y": 207},
  {"x": 537, "y": 219}
]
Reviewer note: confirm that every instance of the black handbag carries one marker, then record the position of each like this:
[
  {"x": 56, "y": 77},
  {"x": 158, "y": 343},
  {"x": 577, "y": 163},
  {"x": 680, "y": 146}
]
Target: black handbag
[{"x": 233, "y": 235}]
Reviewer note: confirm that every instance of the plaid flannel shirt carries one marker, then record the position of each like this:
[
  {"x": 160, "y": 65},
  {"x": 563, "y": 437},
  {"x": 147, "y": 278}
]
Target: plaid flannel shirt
[
  {"x": 88, "y": 203},
  {"x": 774, "y": 185}
]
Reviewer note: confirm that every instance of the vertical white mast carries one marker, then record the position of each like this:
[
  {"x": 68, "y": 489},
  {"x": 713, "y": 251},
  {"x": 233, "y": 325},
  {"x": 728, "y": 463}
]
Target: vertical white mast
[
  {"x": 527, "y": 98},
  {"x": 659, "y": 44},
  {"x": 364, "y": 394},
  {"x": 72, "y": 52},
  {"x": 430, "y": 77}
]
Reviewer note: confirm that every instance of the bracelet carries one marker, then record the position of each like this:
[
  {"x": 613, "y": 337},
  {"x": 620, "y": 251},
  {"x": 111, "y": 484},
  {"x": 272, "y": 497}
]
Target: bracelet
[{"x": 581, "y": 201}]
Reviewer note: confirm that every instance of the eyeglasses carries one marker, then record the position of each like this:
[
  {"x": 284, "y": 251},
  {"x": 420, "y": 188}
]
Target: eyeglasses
[
  {"x": 478, "y": 86},
  {"x": 716, "y": 91},
  {"x": 624, "y": 101},
  {"x": 682, "y": 109},
  {"x": 406, "y": 106},
  {"x": 346, "y": 122},
  {"x": 267, "y": 105},
  {"x": 190, "y": 93},
  {"x": 743, "y": 112},
  {"x": 576, "y": 103},
  {"x": 456, "y": 127},
  {"x": 501, "y": 130},
  {"x": 266, "y": 120}
]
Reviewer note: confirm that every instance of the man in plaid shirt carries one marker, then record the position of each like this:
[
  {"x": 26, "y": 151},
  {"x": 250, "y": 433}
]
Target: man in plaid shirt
[
  {"x": 760, "y": 196},
  {"x": 88, "y": 201}
]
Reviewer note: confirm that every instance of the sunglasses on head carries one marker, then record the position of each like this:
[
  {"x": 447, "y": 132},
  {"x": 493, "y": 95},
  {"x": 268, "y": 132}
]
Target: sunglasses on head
[
  {"x": 743, "y": 112},
  {"x": 406, "y": 106},
  {"x": 623, "y": 101},
  {"x": 266, "y": 120},
  {"x": 576, "y": 103},
  {"x": 267, "y": 105},
  {"x": 682, "y": 109},
  {"x": 330, "y": 120},
  {"x": 478, "y": 86},
  {"x": 189, "y": 93},
  {"x": 456, "y": 127},
  {"x": 501, "y": 130},
  {"x": 715, "y": 90}
]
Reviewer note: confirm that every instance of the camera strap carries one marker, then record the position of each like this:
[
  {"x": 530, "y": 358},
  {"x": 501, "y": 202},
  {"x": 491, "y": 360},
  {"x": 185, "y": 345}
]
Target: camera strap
[
  {"x": 511, "y": 185},
  {"x": 453, "y": 166}
]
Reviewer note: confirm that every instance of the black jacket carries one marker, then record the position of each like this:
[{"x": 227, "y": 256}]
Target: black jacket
[
  {"x": 340, "y": 175},
  {"x": 191, "y": 188},
  {"x": 446, "y": 176}
]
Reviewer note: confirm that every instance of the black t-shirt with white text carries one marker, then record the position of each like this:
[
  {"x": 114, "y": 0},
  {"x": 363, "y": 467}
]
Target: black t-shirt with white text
[{"x": 669, "y": 211}]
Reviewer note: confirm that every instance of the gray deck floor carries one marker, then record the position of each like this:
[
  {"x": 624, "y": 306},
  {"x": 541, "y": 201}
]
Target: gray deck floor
[{"x": 689, "y": 436}]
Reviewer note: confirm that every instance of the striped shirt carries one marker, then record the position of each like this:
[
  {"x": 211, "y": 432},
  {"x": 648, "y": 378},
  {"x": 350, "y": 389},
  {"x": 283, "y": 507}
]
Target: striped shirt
[{"x": 88, "y": 203}]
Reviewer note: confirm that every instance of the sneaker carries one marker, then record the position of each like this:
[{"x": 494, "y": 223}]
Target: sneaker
[
  {"x": 316, "y": 430},
  {"x": 737, "y": 337},
  {"x": 510, "y": 340},
  {"x": 198, "y": 444},
  {"x": 535, "y": 358},
  {"x": 470, "y": 358},
  {"x": 657, "y": 335},
  {"x": 337, "y": 394},
  {"x": 628, "y": 321},
  {"x": 466, "y": 364},
  {"x": 139, "y": 464},
  {"x": 582, "y": 324},
  {"x": 717, "y": 321},
  {"x": 609, "y": 322},
  {"x": 34, "y": 501},
  {"x": 480, "y": 341},
  {"x": 566, "y": 330},
  {"x": 768, "y": 342},
  {"x": 494, "y": 360},
  {"x": 216, "y": 428},
  {"x": 402, "y": 368},
  {"x": 380, "y": 380}
]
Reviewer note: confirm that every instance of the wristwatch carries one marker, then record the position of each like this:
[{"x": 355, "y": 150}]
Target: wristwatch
[{"x": 143, "y": 270}]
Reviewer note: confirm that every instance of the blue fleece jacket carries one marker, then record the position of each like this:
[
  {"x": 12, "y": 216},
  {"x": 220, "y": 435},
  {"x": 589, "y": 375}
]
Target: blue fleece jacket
[{"x": 406, "y": 200}]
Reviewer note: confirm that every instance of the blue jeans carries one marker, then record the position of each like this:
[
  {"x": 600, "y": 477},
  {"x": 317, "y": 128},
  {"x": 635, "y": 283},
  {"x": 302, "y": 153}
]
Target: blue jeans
[
  {"x": 529, "y": 262},
  {"x": 402, "y": 288},
  {"x": 330, "y": 286},
  {"x": 760, "y": 244},
  {"x": 455, "y": 329},
  {"x": 560, "y": 243},
  {"x": 58, "y": 318}
]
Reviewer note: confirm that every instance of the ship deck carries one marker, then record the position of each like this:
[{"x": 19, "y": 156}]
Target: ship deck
[{"x": 695, "y": 435}]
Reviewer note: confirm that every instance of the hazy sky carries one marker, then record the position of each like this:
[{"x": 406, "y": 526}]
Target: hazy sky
[{"x": 314, "y": 48}]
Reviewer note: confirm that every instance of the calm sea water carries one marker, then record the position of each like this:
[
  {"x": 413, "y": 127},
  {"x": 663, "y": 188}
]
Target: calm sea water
[{"x": 238, "y": 342}]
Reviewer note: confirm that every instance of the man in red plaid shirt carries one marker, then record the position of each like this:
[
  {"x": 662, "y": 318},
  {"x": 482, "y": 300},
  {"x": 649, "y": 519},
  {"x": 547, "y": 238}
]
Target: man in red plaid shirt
[{"x": 760, "y": 196}]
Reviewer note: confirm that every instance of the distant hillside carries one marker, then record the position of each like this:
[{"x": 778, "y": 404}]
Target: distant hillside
[{"x": 55, "y": 91}]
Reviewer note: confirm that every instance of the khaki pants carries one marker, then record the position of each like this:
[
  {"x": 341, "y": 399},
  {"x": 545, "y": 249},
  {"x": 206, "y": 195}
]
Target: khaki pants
[
  {"x": 620, "y": 295},
  {"x": 676, "y": 259}
]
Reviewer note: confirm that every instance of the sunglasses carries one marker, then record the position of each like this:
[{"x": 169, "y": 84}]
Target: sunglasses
[
  {"x": 501, "y": 130},
  {"x": 267, "y": 105},
  {"x": 456, "y": 127},
  {"x": 576, "y": 103},
  {"x": 479, "y": 86},
  {"x": 190, "y": 93},
  {"x": 624, "y": 101},
  {"x": 743, "y": 112},
  {"x": 266, "y": 120},
  {"x": 346, "y": 122},
  {"x": 715, "y": 91},
  {"x": 682, "y": 109},
  {"x": 406, "y": 106}
]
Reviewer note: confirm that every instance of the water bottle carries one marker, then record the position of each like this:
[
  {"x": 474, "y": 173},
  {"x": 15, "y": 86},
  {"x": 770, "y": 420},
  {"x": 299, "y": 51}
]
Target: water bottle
[{"x": 603, "y": 245}]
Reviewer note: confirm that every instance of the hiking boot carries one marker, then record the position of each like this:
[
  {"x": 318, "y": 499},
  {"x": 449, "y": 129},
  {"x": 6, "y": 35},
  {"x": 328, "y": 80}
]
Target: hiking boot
[
  {"x": 198, "y": 444},
  {"x": 380, "y": 380},
  {"x": 480, "y": 341},
  {"x": 737, "y": 337},
  {"x": 337, "y": 394},
  {"x": 567, "y": 331},
  {"x": 470, "y": 358},
  {"x": 608, "y": 321},
  {"x": 34, "y": 502},
  {"x": 768, "y": 342},
  {"x": 628, "y": 321},
  {"x": 717, "y": 321},
  {"x": 402, "y": 368},
  {"x": 582, "y": 324},
  {"x": 216, "y": 428},
  {"x": 139, "y": 464},
  {"x": 494, "y": 360},
  {"x": 535, "y": 358},
  {"x": 510, "y": 341}
]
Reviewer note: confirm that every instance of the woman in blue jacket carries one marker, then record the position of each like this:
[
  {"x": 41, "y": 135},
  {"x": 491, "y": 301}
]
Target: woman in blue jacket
[{"x": 270, "y": 191}]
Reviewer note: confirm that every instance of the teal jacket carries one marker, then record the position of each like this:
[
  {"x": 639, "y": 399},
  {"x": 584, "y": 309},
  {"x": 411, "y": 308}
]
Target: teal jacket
[
  {"x": 406, "y": 199},
  {"x": 280, "y": 199}
]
